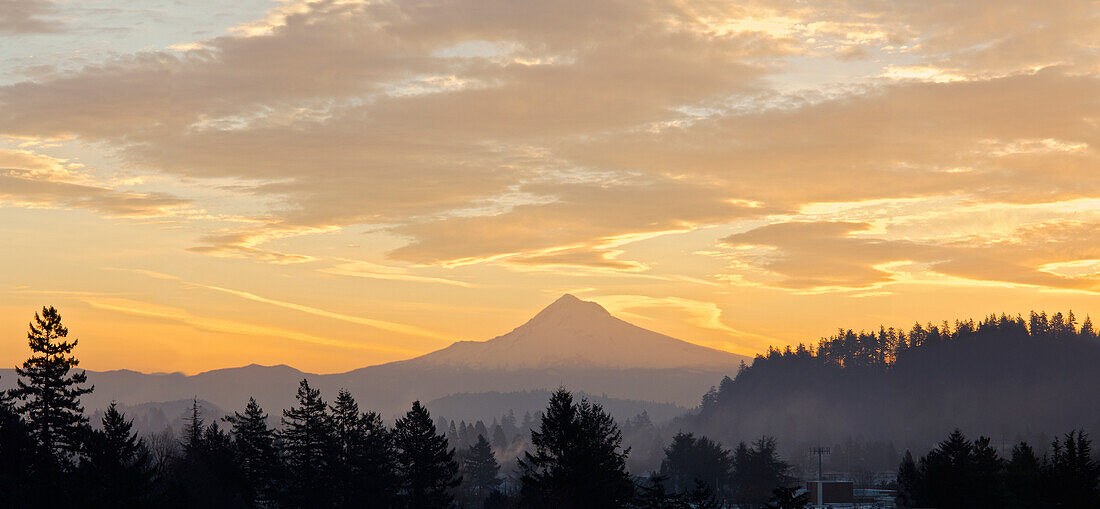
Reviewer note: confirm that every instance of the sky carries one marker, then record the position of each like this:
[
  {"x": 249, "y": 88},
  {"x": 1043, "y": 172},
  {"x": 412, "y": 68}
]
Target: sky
[{"x": 198, "y": 184}]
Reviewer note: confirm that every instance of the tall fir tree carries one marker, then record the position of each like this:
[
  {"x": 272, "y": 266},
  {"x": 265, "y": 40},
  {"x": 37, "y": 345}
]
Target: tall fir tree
[
  {"x": 191, "y": 441},
  {"x": 688, "y": 459},
  {"x": 1023, "y": 478},
  {"x": 309, "y": 449},
  {"x": 578, "y": 460},
  {"x": 366, "y": 473},
  {"x": 425, "y": 461},
  {"x": 907, "y": 481},
  {"x": 117, "y": 471},
  {"x": 1074, "y": 474},
  {"x": 49, "y": 396},
  {"x": 480, "y": 470},
  {"x": 254, "y": 445}
]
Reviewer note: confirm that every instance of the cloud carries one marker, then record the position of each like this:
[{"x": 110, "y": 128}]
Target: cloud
[
  {"x": 149, "y": 310},
  {"x": 27, "y": 17},
  {"x": 537, "y": 133},
  {"x": 364, "y": 269},
  {"x": 25, "y": 188},
  {"x": 838, "y": 255}
]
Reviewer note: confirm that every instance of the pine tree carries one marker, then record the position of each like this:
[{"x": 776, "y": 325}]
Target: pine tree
[
  {"x": 688, "y": 459},
  {"x": 309, "y": 449},
  {"x": 49, "y": 396},
  {"x": 1087, "y": 331},
  {"x": 578, "y": 460},
  {"x": 480, "y": 469},
  {"x": 758, "y": 471},
  {"x": 426, "y": 464},
  {"x": 1023, "y": 477},
  {"x": 117, "y": 471},
  {"x": 191, "y": 442},
  {"x": 907, "y": 481},
  {"x": 653, "y": 494},
  {"x": 1074, "y": 473},
  {"x": 17, "y": 455},
  {"x": 366, "y": 471},
  {"x": 254, "y": 445}
]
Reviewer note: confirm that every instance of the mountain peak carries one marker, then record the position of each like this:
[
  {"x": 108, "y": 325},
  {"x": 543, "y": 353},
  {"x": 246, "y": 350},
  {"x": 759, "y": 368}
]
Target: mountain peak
[
  {"x": 570, "y": 307},
  {"x": 572, "y": 332}
]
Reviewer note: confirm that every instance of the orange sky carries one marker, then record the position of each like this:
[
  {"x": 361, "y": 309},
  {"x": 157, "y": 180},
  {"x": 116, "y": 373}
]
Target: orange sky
[{"x": 336, "y": 184}]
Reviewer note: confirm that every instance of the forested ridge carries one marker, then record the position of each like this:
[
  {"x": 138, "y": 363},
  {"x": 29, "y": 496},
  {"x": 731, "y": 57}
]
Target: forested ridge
[{"x": 1010, "y": 378}]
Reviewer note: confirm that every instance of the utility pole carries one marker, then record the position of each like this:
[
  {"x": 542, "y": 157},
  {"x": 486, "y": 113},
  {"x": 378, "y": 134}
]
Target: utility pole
[{"x": 819, "y": 451}]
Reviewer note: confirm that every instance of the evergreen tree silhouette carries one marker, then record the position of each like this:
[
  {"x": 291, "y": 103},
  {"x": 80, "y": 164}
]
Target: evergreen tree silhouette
[
  {"x": 480, "y": 470},
  {"x": 578, "y": 460},
  {"x": 1023, "y": 478},
  {"x": 688, "y": 459},
  {"x": 117, "y": 471},
  {"x": 426, "y": 464},
  {"x": 366, "y": 471},
  {"x": 1074, "y": 474},
  {"x": 758, "y": 471},
  {"x": 17, "y": 457},
  {"x": 703, "y": 496},
  {"x": 945, "y": 474},
  {"x": 654, "y": 494},
  {"x": 254, "y": 445},
  {"x": 310, "y": 450},
  {"x": 907, "y": 481},
  {"x": 193, "y": 427},
  {"x": 207, "y": 474},
  {"x": 49, "y": 396}
]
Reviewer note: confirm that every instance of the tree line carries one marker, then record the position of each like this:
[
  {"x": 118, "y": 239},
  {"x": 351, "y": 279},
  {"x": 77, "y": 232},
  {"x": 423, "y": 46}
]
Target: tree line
[
  {"x": 335, "y": 455},
  {"x": 960, "y": 473},
  {"x": 1016, "y": 377}
]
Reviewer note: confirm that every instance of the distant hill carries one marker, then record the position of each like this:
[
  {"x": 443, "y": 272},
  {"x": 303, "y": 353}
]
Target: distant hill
[
  {"x": 1006, "y": 378},
  {"x": 570, "y": 343},
  {"x": 471, "y": 407}
]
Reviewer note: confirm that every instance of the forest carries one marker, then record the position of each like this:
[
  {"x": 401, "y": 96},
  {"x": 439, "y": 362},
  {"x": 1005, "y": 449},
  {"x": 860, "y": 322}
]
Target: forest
[
  {"x": 332, "y": 454},
  {"x": 881, "y": 392}
]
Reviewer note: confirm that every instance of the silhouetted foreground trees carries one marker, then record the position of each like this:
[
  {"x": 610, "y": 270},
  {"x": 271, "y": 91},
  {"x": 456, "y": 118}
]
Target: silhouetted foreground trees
[
  {"x": 337, "y": 456},
  {"x": 959, "y": 473}
]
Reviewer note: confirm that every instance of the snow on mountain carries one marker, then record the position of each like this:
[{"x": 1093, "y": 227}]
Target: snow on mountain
[{"x": 575, "y": 333}]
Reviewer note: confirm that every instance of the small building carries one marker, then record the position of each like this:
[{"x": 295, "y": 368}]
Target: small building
[{"x": 826, "y": 493}]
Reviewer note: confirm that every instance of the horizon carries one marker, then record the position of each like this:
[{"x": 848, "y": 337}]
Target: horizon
[{"x": 332, "y": 185}]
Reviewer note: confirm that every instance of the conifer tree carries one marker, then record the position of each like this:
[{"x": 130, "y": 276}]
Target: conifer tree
[
  {"x": 426, "y": 464},
  {"x": 1023, "y": 477},
  {"x": 1087, "y": 331},
  {"x": 191, "y": 441},
  {"x": 117, "y": 471},
  {"x": 49, "y": 396},
  {"x": 309, "y": 449},
  {"x": 653, "y": 494},
  {"x": 688, "y": 459},
  {"x": 1074, "y": 473},
  {"x": 907, "y": 481},
  {"x": 254, "y": 445},
  {"x": 480, "y": 469},
  {"x": 17, "y": 454},
  {"x": 578, "y": 460},
  {"x": 366, "y": 472}
]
